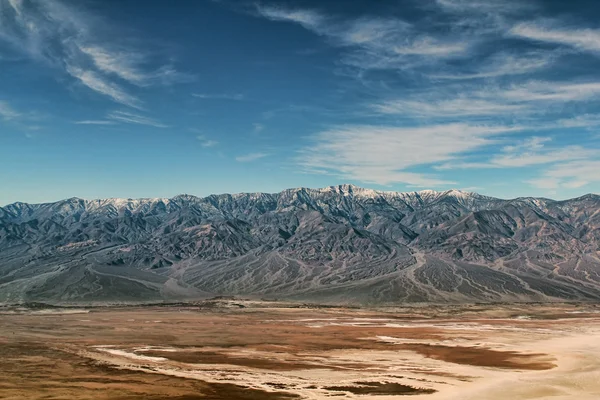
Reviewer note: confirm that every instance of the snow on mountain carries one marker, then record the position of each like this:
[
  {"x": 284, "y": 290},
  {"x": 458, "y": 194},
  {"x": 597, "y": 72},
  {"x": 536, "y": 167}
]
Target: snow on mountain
[{"x": 341, "y": 243}]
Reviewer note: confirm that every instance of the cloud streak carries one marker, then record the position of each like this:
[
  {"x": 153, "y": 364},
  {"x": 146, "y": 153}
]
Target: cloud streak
[
  {"x": 127, "y": 65},
  {"x": 131, "y": 118},
  {"x": 532, "y": 151},
  {"x": 121, "y": 64},
  {"x": 459, "y": 78},
  {"x": 220, "y": 96},
  {"x": 458, "y": 107},
  {"x": 386, "y": 155},
  {"x": 205, "y": 142},
  {"x": 504, "y": 64},
  {"x": 100, "y": 85},
  {"x": 62, "y": 36},
  {"x": 7, "y": 112},
  {"x": 570, "y": 175},
  {"x": 94, "y": 122},
  {"x": 490, "y": 101},
  {"x": 580, "y": 39},
  {"x": 250, "y": 157},
  {"x": 373, "y": 43}
]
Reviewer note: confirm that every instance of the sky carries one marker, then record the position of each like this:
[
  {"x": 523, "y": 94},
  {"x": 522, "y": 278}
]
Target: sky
[{"x": 122, "y": 98}]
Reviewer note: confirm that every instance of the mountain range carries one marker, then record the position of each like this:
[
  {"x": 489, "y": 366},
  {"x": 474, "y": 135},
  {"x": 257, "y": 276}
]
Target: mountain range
[{"x": 340, "y": 244}]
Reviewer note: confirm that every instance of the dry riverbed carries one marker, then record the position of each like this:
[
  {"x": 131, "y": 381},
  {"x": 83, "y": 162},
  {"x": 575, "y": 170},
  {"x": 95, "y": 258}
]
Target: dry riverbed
[{"x": 231, "y": 350}]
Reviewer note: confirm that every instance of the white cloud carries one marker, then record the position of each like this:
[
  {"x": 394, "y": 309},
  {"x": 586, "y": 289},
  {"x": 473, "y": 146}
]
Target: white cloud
[
  {"x": 581, "y": 39},
  {"x": 374, "y": 43},
  {"x": 446, "y": 108},
  {"x": 130, "y": 118},
  {"x": 23, "y": 120},
  {"x": 94, "y": 122},
  {"x": 504, "y": 64},
  {"x": 98, "y": 84},
  {"x": 205, "y": 142},
  {"x": 251, "y": 157},
  {"x": 428, "y": 46},
  {"x": 63, "y": 36},
  {"x": 127, "y": 66},
  {"x": 580, "y": 121},
  {"x": 119, "y": 63},
  {"x": 115, "y": 117},
  {"x": 209, "y": 143},
  {"x": 220, "y": 96},
  {"x": 168, "y": 75},
  {"x": 534, "y": 143},
  {"x": 307, "y": 18},
  {"x": 532, "y": 151},
  {"x": 492, "y": 101},
  {"x": 385, "y": 155},
  {"x": 485, "y": 6},
  {"x": 544, "y": 183},
  {"x": 539, "y": 91},
  {"x": 570, "y": 175},
  {"x": 575, "y": 184},
  {"x": 7, "y": 112}
]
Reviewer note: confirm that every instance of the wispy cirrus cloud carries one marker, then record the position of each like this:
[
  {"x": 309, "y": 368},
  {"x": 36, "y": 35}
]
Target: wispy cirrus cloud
[
  {"x": 63, "y": 36},
  {"x": 25, "y": 121},
  {"x": 486, "y": 6},
  {"x": 251, "y": 157},
  {"x": 206, "y": 142},
  {"x": 489, "y": 101},
  {"x": 460, "y": 63},
  {"x": 94, "y": 122},
  {"x": 457, "y": 107},
  {"x": 461, "y": 29},
  {"x": 569, "y": 175},
  {"x": 116, "y": 117},
  {"x": 7, "y": 112},
  {"x": 121, "y": 64},
  {"x": 128, "y": 65},
  {"x": 373, "y": 43},
  {"x": 583, "y": 39},
  {"x": 504, "y": 64},
  {"x": 386, "y": 155},
  {"x": 580, "y": 121},
  {"x": 101, "y": 85},
  {"x": 531, "y": 151},
  {"x": 131, "y": 118},
  {"x": 540, "y": 91},
  {"x": 220, "y": 96},
  {"x": 309, "y": 19}
]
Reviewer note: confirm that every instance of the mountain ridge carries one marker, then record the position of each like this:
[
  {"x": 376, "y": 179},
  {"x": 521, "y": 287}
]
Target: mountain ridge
[
  {"x": 435, "y": 193},
  {"x": 341, "y": 243}
]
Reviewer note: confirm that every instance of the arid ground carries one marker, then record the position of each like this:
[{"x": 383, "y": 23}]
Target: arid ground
[{"x": 228, "y": 349}]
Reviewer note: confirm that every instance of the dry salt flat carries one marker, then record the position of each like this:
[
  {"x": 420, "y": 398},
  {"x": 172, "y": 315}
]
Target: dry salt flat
[{"x": 278, "y": 351}]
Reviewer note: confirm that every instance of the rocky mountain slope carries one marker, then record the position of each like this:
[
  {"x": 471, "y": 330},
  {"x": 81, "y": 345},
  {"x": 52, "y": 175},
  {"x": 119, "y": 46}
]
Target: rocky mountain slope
[{"x": 337, "y": 244}]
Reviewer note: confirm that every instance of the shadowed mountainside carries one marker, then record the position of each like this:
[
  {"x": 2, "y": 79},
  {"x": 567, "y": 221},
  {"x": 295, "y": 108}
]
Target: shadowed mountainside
[{"x": 337, "y": 244}]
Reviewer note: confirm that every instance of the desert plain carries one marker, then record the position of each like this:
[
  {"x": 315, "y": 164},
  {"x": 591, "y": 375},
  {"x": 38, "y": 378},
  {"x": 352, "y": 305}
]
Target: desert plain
[{"x": 228, "y": 349}]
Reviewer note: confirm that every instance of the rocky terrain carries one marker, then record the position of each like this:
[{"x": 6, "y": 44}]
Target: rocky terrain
[{"x": 341, "y": 244}]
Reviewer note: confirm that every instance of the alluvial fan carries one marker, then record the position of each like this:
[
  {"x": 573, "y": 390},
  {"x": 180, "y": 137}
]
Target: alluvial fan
[{"x": 340, "y": 244}]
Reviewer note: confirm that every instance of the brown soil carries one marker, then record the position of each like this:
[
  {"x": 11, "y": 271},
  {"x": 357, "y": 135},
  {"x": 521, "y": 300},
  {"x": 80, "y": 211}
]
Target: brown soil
[
  {"x": 381, "y": 389},
  {"x": 31, "y": 370},
  {"x": 482, "y": 357},
  {"x": 46, "y": 356},
  {"x": 211, "y": 357}
]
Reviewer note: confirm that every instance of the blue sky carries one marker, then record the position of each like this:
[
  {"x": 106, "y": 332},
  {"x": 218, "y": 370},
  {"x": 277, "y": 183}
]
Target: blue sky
[{"x": 107, "y": 98}]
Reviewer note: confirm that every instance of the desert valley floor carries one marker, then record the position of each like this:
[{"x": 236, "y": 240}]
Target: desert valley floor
[{"x": 228, "y": 349}]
